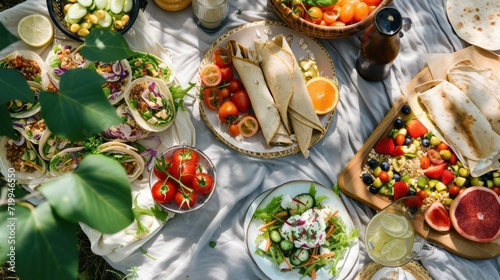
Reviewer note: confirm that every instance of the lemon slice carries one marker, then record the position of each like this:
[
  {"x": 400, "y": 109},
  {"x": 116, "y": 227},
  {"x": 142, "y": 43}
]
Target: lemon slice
[
  {"x": 395, "y": 249},
  {"x": 35, "y": 30},
  {"x": 379, "y": 239},
  {"x": 394, "y": 225}
]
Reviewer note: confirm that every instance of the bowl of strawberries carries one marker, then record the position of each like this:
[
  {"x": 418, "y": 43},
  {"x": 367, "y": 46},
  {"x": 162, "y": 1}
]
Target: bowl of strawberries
[{"x": 183, "y": 179}]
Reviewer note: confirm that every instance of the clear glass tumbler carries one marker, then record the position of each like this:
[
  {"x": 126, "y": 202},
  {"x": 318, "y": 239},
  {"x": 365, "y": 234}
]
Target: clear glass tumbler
[{"x": 210, "y": 15}]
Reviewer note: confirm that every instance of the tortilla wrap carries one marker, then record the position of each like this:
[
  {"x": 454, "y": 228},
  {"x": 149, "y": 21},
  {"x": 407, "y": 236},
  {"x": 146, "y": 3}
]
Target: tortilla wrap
[
  {"x": 288, "y": 87},
  {"x": 19, "y": 109},
  {"x": 66, "y": 160},
  {"x": 30, "y": 59},
  {"x": 51, "y": 144},
  {"x": 11, "y": 153},
  {"x": 265, "y": 109},
  {"x": 151, "y": 115},
  {"x": 461, "y": 122},
  {"x": 480, "y": 90},
  {"x": 126, "y": 155},
  {"x": 32, "y": 127},
  {"x": 128, "y": 130},
  {"x": 118, "y": 77},
  {"x": 62, "y": 58}
]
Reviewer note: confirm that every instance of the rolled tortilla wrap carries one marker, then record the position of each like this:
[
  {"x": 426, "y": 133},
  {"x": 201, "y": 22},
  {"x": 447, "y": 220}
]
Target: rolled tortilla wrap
[
  {"x": 128, "y": 130},
  {"x": 32, "y": 127},
  {"x": 126, "y": 155},
  {"x": 480, "y": 90},
  {"x": 66, "y": 160},
  {"x": 253, "y": 80},
  {"x": 51, "y": 144},
  {"x": 29, "y": 64},
  {"x": 288, "y": 87},
  {"x": 461, "y": 122},
  {"x": 20, "y": 109}
]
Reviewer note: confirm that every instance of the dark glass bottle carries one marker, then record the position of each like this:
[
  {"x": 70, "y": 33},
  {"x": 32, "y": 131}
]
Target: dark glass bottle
[{"x": 380, "y": 44}]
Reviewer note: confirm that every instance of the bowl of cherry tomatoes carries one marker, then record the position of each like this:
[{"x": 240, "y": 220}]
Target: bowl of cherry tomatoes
[
  {"x": 332, "y": 19},
  {"x": 183, "y": 179}
]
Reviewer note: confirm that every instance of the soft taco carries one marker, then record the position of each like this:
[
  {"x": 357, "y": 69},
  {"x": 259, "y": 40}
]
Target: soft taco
[
  {"x": 22, "y": 157},
  {"x": 146, "y": 64},
  {"x": 128, "y": 130},
  {"x": 32, "y": 127},
  {"x": 61, "y": 58},
  {"x": 66, "y": 160},
  {"x": 118, "y": 77},
  {"x": 29, "y": 64},
  {"x": 126, "y": 155},
  {"x": 51, "y": 144},
  {"x": 150, "y": 103},
  {"x": 20, "y": 109}
]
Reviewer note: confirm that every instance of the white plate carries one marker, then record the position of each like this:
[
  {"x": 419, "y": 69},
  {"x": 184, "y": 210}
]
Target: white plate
[
  {"x": 303, "y": 47},
  {"x": 293, "y": 188}
]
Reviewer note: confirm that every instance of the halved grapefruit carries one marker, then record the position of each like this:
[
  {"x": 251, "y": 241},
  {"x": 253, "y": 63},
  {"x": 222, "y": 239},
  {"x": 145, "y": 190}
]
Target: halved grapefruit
[
  {"x": 437, "y": 217},
  {"x": 475, "y": 214}
]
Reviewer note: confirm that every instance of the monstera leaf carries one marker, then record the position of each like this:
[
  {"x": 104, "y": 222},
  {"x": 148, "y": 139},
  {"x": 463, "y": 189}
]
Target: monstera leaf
[
  {"x": 106, "y": 46},
  {"x": 97, "y": 193},
  {"x": 80, "y": 110}
]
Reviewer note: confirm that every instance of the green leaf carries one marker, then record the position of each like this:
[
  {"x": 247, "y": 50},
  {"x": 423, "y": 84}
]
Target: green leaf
[
  {"x": 6, "y": 123},
  {"x": 97, "y": 193},
  {"x": 106, "y": 46},
  {"x": 14, "y": 86},
  {"x": 43, "y": 244},
  {"x": 80, "y": 110},
  {"x": 6, "y": 38}
]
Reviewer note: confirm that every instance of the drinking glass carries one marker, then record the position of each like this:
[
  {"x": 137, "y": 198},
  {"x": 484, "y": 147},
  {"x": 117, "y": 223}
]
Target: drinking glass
[
  {"x": 210, "y": 15},
  {"x": 395, "y": 236}
]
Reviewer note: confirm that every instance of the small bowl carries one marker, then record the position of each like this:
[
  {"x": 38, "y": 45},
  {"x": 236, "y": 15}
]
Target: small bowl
[
  {"x": 319, "y": 31},
  {"x": 56, "y": 8},
  {"x": 206, "y": 165}
]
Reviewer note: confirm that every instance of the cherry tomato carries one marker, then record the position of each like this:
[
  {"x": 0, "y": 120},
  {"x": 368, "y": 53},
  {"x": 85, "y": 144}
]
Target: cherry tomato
[
  {"x": 225, "y": 92},
  {"x": 454, "y": 190},
  {"x": 442, "y": 146},
  {"x": 241, "y": 100},
  {"x": 228, "y": 112},
  {"x": 233, "y": 130},
  {"x": 227, "y": 74},
  {"x": 222, "y": 57},
  {"x": 372, "y": 2},
  {"x": 361, "y": 11},
  {"x": 399, "y": 139},
  {"x": 299, "y": 10},
  {"x": 425, "y": 162},
  {"x": 346, "y": 13},
  {"x": 434, "y": 156},
  {"x": 422, "y": 194},
  {"x": 248, "y": 126},
  {"x": 161, "y": 167},
  {"x": 234, "y": 85},
  {"x": 213, "y": 98},
  {"x": 183, "y": 171},
  {"x": 185, "y": 155},
  {"x": 210, "y": 75},
  {"x": 384, "y": 176},
  {"x": 185, "y": 200},
  {"x": 163, "y": 191},
  {"x": 337, "y": 23},
  {"x": 314, "y": 14},
  {"x": 203, "y": 183},
  {"x": 331, "y": 15},
  {"x": 496, "y": 189}
]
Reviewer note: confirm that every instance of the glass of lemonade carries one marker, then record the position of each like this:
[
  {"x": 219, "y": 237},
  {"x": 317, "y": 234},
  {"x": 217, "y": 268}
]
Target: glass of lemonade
[{"x": 396, "y": 234}]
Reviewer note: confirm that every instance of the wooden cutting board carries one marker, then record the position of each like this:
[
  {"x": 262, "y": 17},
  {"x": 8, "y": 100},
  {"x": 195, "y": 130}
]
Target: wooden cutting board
[{"x": 351, "y": 184}]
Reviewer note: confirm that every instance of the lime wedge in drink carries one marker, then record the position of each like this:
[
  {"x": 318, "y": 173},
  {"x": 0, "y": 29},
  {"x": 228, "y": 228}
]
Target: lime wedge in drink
[
  {"x": 395, "y": 249},
  {"x": 394, "y": 225}
]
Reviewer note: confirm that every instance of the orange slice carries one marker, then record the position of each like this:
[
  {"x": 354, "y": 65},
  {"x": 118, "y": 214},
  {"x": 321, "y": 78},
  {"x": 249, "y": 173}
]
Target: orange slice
[{"x": 324, "y": 94}]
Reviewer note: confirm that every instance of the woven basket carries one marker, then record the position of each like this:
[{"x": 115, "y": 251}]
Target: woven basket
[
  {"x": 318, "y": 31},
  {"x": 55, "y": 8}
]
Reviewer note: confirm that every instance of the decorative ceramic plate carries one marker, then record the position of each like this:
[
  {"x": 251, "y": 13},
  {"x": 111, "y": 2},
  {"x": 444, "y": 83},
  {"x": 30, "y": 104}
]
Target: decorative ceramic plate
[
  {"x": 293, "y": 188},
  {"x": 303, "y": 47}
]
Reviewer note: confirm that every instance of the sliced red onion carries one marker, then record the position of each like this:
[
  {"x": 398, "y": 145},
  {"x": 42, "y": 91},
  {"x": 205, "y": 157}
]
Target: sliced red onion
[
  {"x": 18, "y": 124},
  {"x": 151, "y": 104},
  {"x": 20, "y": 142},
  {"x": 37, "y": 136}
]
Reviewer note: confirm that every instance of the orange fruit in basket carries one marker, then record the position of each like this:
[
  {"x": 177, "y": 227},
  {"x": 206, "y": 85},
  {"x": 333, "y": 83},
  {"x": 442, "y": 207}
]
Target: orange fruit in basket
[{"x": 324, "y": 94}]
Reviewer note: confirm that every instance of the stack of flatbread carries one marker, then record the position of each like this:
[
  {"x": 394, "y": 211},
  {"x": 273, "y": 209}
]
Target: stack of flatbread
[
  {"x": 466, "y": 109},
  {"x": 278, "y": 93}
]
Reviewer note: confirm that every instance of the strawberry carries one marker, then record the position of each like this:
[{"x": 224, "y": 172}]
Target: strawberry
[
  {"x": 400, "y": 189},
  {"x": 385, "y": 146},
  {"x": 435, "y": 171},
  {"x": 453, "y": 158},
  {"x": 447, "y": 177},
  {"x": 397, "y": 151},
  {"x": 413, "y": 201},
  {"x": 415, "y": 128}
]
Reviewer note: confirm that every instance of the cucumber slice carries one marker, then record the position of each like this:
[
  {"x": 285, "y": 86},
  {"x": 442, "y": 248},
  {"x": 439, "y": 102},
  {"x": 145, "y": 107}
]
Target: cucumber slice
[
  {"x": 303, "y": 201},
  {"x": 101, "y": 4},
  {"x": 106, "y": 21},
  {"x": 128, "y": 5},
  {"x": 286, "y": 245},
  {"x": 275, "y": 236},
  {"x": 85, "y": 3},
  {"x": 116, "y": 6},
  {"x": 76, "y": 11},
  {"x": 70, "y": 20}
]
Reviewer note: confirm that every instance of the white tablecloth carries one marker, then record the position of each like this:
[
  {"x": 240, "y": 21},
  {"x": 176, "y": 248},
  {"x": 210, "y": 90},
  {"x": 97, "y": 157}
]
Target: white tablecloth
[{"x": 181, "y": 249}]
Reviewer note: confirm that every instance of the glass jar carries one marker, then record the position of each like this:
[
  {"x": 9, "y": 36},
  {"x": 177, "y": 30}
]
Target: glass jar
[
  {"x": 380, "y": 44},
  {"x": 172, "y": 5}
]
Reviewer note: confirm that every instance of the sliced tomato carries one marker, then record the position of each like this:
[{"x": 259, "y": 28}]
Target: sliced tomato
[
  {"x": 213, "y": 98},
  {"x": 248, "y": 126},
  {"x": 163, "y": 191},
  {"x": 241, "y": 100},
  {"x": 210, "y": 75},
  {"x": 222, "y": 57},
  {"x": 203, "y": 183},
  {"x": 227, "y": 74},
  {"x": 331, "y": 15}
]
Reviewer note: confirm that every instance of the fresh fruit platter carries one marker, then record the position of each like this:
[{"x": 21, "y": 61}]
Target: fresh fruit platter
[{"x": 404, "y": 158}]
